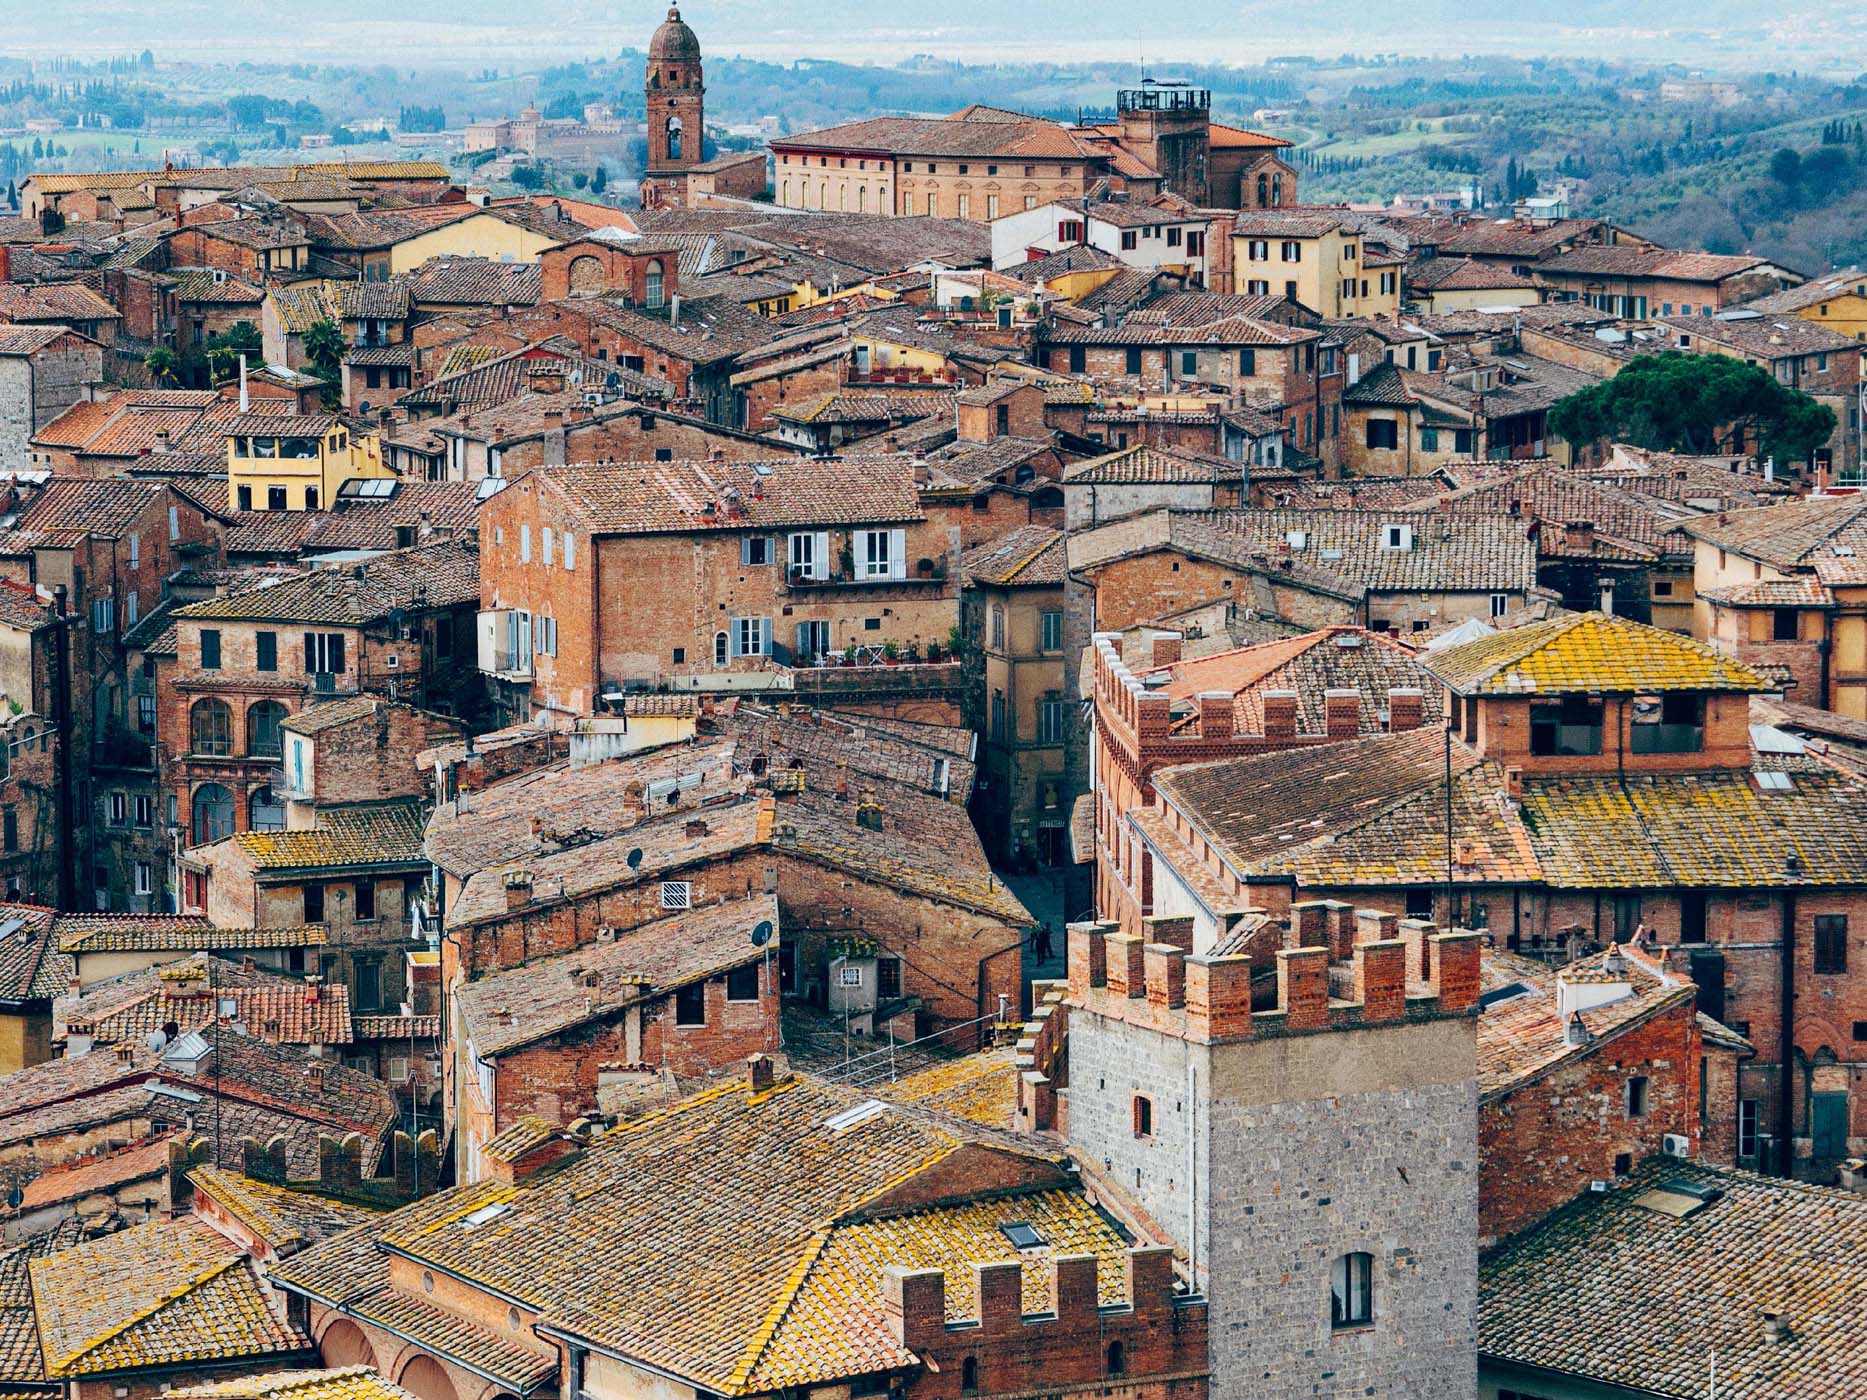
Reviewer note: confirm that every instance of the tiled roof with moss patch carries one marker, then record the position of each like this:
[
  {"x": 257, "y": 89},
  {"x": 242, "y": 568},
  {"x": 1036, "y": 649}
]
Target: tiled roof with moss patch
[
  {"x": 1557, "y": 1295},
  {"x": 1588, "y": 653},
  {"x": 182, "y": 933},
  {"x": 284, "y": 1218},
  {"x": 340, "y": 1383},
  {"x": 388, "y": 835},
  {"x": 981, "y": 1088},
  {"x": 169, "y": 1293}
]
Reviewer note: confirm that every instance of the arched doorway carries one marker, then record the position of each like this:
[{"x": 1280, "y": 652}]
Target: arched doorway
[
  {"x": 213, "y": 813},
  {"x": 343, "y": 1344},
  {"x": 426, "y": 1378}
]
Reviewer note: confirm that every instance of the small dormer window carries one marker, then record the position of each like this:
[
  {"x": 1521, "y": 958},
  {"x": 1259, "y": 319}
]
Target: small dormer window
[{"x": 1396, "y": 537}]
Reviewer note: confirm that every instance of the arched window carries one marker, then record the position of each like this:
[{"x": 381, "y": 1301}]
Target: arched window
[
  {"x": 1277, "y": 190},
  {"x": 674, "y": 138},
  {"x": 1264, "y": 190},
  {"x": 210, "y": 728},
  {"x": 842, "y": 198},
  {"x": 265, "y": 812},
  {"x": 1118, "y": 1362},
  {"x": 1351, "y": 1291},
  {"x": 719, "y": 648},
  {"x": 263, "y": 739},
  {"x": 213, "y": 813},
  {"x": 654, "y": 284},
  {"x": 862, "y": 200}
]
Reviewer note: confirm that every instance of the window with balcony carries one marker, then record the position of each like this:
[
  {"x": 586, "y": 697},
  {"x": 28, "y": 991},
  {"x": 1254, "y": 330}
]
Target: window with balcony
[{"x": 324, "y": 653}]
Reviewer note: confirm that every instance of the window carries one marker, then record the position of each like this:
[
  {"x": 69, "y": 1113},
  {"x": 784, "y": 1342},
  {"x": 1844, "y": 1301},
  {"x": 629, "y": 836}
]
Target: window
[
  {"x": 210, "y": 729},
  {"x": 368, "y": 976},
  {"x": 213, "y": 813},
  {"x": 998, "y": 626},
  {"x": 266, "y": 650},
  {"x": 311, "y": 498},
  {"x": 965, "y": 206},
  {"x": 132, "y": 609},
  {"x": 244, "y": 494},
  {"x": 676, "y": 894},
  {"x": 742, "y": 983},
  {"x": 1383, "y": 433},
  {"x": 145, "y": 810},
  {"x": 1291, "y": 251},
  {"x": 1500, "y": 604},
  {"x": 998, "y": 714},
  {"x": 991, "y": 206},
  {"x": 1050, "y": 719},
  {"x": 1462, "y": 441},
  {"x": 366, "y": 899},
  {"x": 263, "y": 736},
  {"x": 1785, "y": 624},
  {"x": 1637, "y": 1096},
  {"x": 809, "y": 554},
  {"x": 1128, "y": 238},
  {"x": 751, "y": 636},
  {"x": 145, "y": 877},
  {"x": 1189, "y": 363},
  {"x": 1052, "y": 631},
  {"x": 1568, "y": 727},
  {"x": 314, "y": 904},
  {"x": 1118, "y": 1362},
  {"x": 525, "y": 544},
  {"x": 719, "y": 648},
  {"x": 1258, "y": 287},
  {"x": 398, "y": 1069},
  {"x": 275, "y": 498},
  {"x": 1247, "y": 362},
  {"x": 883, "y": 554},
  {"x": 1747, "y": 1118},
  {"x": 324, "y": 653},
  {"x": 1671, "y": 723},
  {"x": 1143, "y": 1108},
  {"x": 549, "y": 542},
  {"x": 690, "y": 1005},
  {"x": 754, "y": 550},
  {"x": 119, "y": 809},
  {"x": 1831, "y": 943},
  {"x": 210, "y": 649},
  {"x": 969, "y": 1375},
  {"x": 1351, "y": 1291}
]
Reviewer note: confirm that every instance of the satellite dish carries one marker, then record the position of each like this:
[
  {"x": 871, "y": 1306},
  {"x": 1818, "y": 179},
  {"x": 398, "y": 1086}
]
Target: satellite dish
[
  {"x": 14, "y": 1197},
  {"x": 635, "y": 858},
  {"x": 762, "y": 934},
  {"x": 156, "y": 1040}
]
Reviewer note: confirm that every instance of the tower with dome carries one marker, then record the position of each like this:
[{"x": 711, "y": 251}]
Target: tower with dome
[{"x": 676, "y": 101}]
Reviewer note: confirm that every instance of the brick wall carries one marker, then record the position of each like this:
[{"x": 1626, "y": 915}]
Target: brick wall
[{"x": 1540, "y": 1144}]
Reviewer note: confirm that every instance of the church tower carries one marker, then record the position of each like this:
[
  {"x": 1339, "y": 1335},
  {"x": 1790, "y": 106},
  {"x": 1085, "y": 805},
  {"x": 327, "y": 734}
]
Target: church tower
[{"x": 676, "y": 99}]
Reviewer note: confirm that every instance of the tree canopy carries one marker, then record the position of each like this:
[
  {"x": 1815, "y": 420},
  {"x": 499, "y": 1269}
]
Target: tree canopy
[{"x": 1678, "y": 402}]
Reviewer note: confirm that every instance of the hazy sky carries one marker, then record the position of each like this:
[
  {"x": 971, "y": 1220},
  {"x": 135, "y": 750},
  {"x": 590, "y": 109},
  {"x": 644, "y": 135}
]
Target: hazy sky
[{"x": 1731, "y": 33}]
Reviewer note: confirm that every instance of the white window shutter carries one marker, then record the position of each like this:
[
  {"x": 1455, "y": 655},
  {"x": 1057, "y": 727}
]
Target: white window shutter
[
  {"x": 820, "y": 555},
  {"x": 897, "y": 554}
]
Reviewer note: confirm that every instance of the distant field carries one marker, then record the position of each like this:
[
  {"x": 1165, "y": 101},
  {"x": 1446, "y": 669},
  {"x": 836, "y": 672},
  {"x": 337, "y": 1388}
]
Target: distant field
[{"x": 1411, "y": 138}]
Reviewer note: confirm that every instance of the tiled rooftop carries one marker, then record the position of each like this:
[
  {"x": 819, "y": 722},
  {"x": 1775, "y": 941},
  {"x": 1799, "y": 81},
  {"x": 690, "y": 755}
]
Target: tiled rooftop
[{"x": 1588, "y": 653}]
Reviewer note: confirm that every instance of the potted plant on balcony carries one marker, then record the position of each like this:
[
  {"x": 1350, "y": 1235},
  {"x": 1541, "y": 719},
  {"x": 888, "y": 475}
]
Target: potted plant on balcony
[
  {"x": 924, "y": 567},
  {"x": 849, "y": 654},
  {"x": 846, "y": 562},
  {"x": 891, "y": 653},
  {"x": 934, "y": 653}
]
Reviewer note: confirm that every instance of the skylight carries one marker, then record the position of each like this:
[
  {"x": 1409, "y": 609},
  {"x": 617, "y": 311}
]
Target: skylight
[
  {"x": 855, "y": 1117},
  {"x": 1022, "y": 1235},
  {"x": 484, "y": 1214}
]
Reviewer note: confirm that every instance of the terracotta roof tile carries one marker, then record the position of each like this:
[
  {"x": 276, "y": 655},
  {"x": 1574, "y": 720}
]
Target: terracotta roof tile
[{"x": 1588, "y": 653}]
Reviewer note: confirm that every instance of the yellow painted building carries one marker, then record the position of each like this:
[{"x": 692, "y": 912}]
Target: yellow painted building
[
  {"x": 1837, "y": 302},
  {"x": 1314, "y": 257},
  {"x": 482, "y": 235},
  {"x": 290, "y": 461}
]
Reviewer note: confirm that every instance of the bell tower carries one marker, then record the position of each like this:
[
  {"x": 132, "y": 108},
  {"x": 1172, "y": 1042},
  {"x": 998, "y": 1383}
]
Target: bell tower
[{"x": 676, "y": 99}]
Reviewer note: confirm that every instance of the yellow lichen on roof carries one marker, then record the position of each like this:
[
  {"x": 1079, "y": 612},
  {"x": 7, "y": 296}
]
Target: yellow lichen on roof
[
  {"x": 981, "y": 1088},
  {"x": 341, "y": 1383},
  {"x": 388, "y": 836},
  {"x": 835, "y": 1326},
  {"x": 1588, "y": 653}
]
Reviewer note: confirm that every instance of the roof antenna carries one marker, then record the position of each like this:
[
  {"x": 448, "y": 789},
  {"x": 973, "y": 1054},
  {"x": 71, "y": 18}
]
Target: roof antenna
[{"x": 243, "y": 404}]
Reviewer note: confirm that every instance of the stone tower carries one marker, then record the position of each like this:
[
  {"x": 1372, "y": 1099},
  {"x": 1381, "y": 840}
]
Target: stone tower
[
  {"x": 1316, "y": 1157},
  {"x": 676, "y": 99}
]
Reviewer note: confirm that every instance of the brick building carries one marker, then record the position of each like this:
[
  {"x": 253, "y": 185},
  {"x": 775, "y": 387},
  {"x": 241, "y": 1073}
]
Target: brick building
[
  {"x": 395, "y": 626},
  {"x": 44, "y": 370},
  {"x": 787, "y": 563},
  {"x": 1617, "y": 799},
  {"x": 597, "y": 1030}
]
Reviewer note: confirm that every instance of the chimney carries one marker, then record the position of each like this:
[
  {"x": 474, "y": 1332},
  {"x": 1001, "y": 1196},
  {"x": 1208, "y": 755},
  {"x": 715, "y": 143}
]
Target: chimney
[
  {"x": 1280, "y": 714},
  {"x": 1341, "y": 713},
  {"x": 758, "y": 1073},
  {"x": 80, "y": 1039},
  {"x": 313, "y": 991},
  {"x": 1578, "y": 536},
  {"x": 554, "y": 447},
  {"x": 314, "y": 1076},
  {"x": 247, "y": 964},
  {"x": 124, "y": 1051},
  {"x": 1406, "y": 709},
  {"x": 1574, "y": 1032},
  {"x": 1775, "y": 1328},
  {"x": 696, "y": 828},
  {"x": 518, "y": 889},
  {"x": 1215, "y": 714},
  {"x": 1166, "y": 650}
]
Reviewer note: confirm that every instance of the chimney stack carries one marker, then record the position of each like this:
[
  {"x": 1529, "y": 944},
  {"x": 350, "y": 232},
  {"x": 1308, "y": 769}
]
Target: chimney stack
[
  {"x": 1280, "y": 714},
  {"x": 1341, "y": 713}
]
